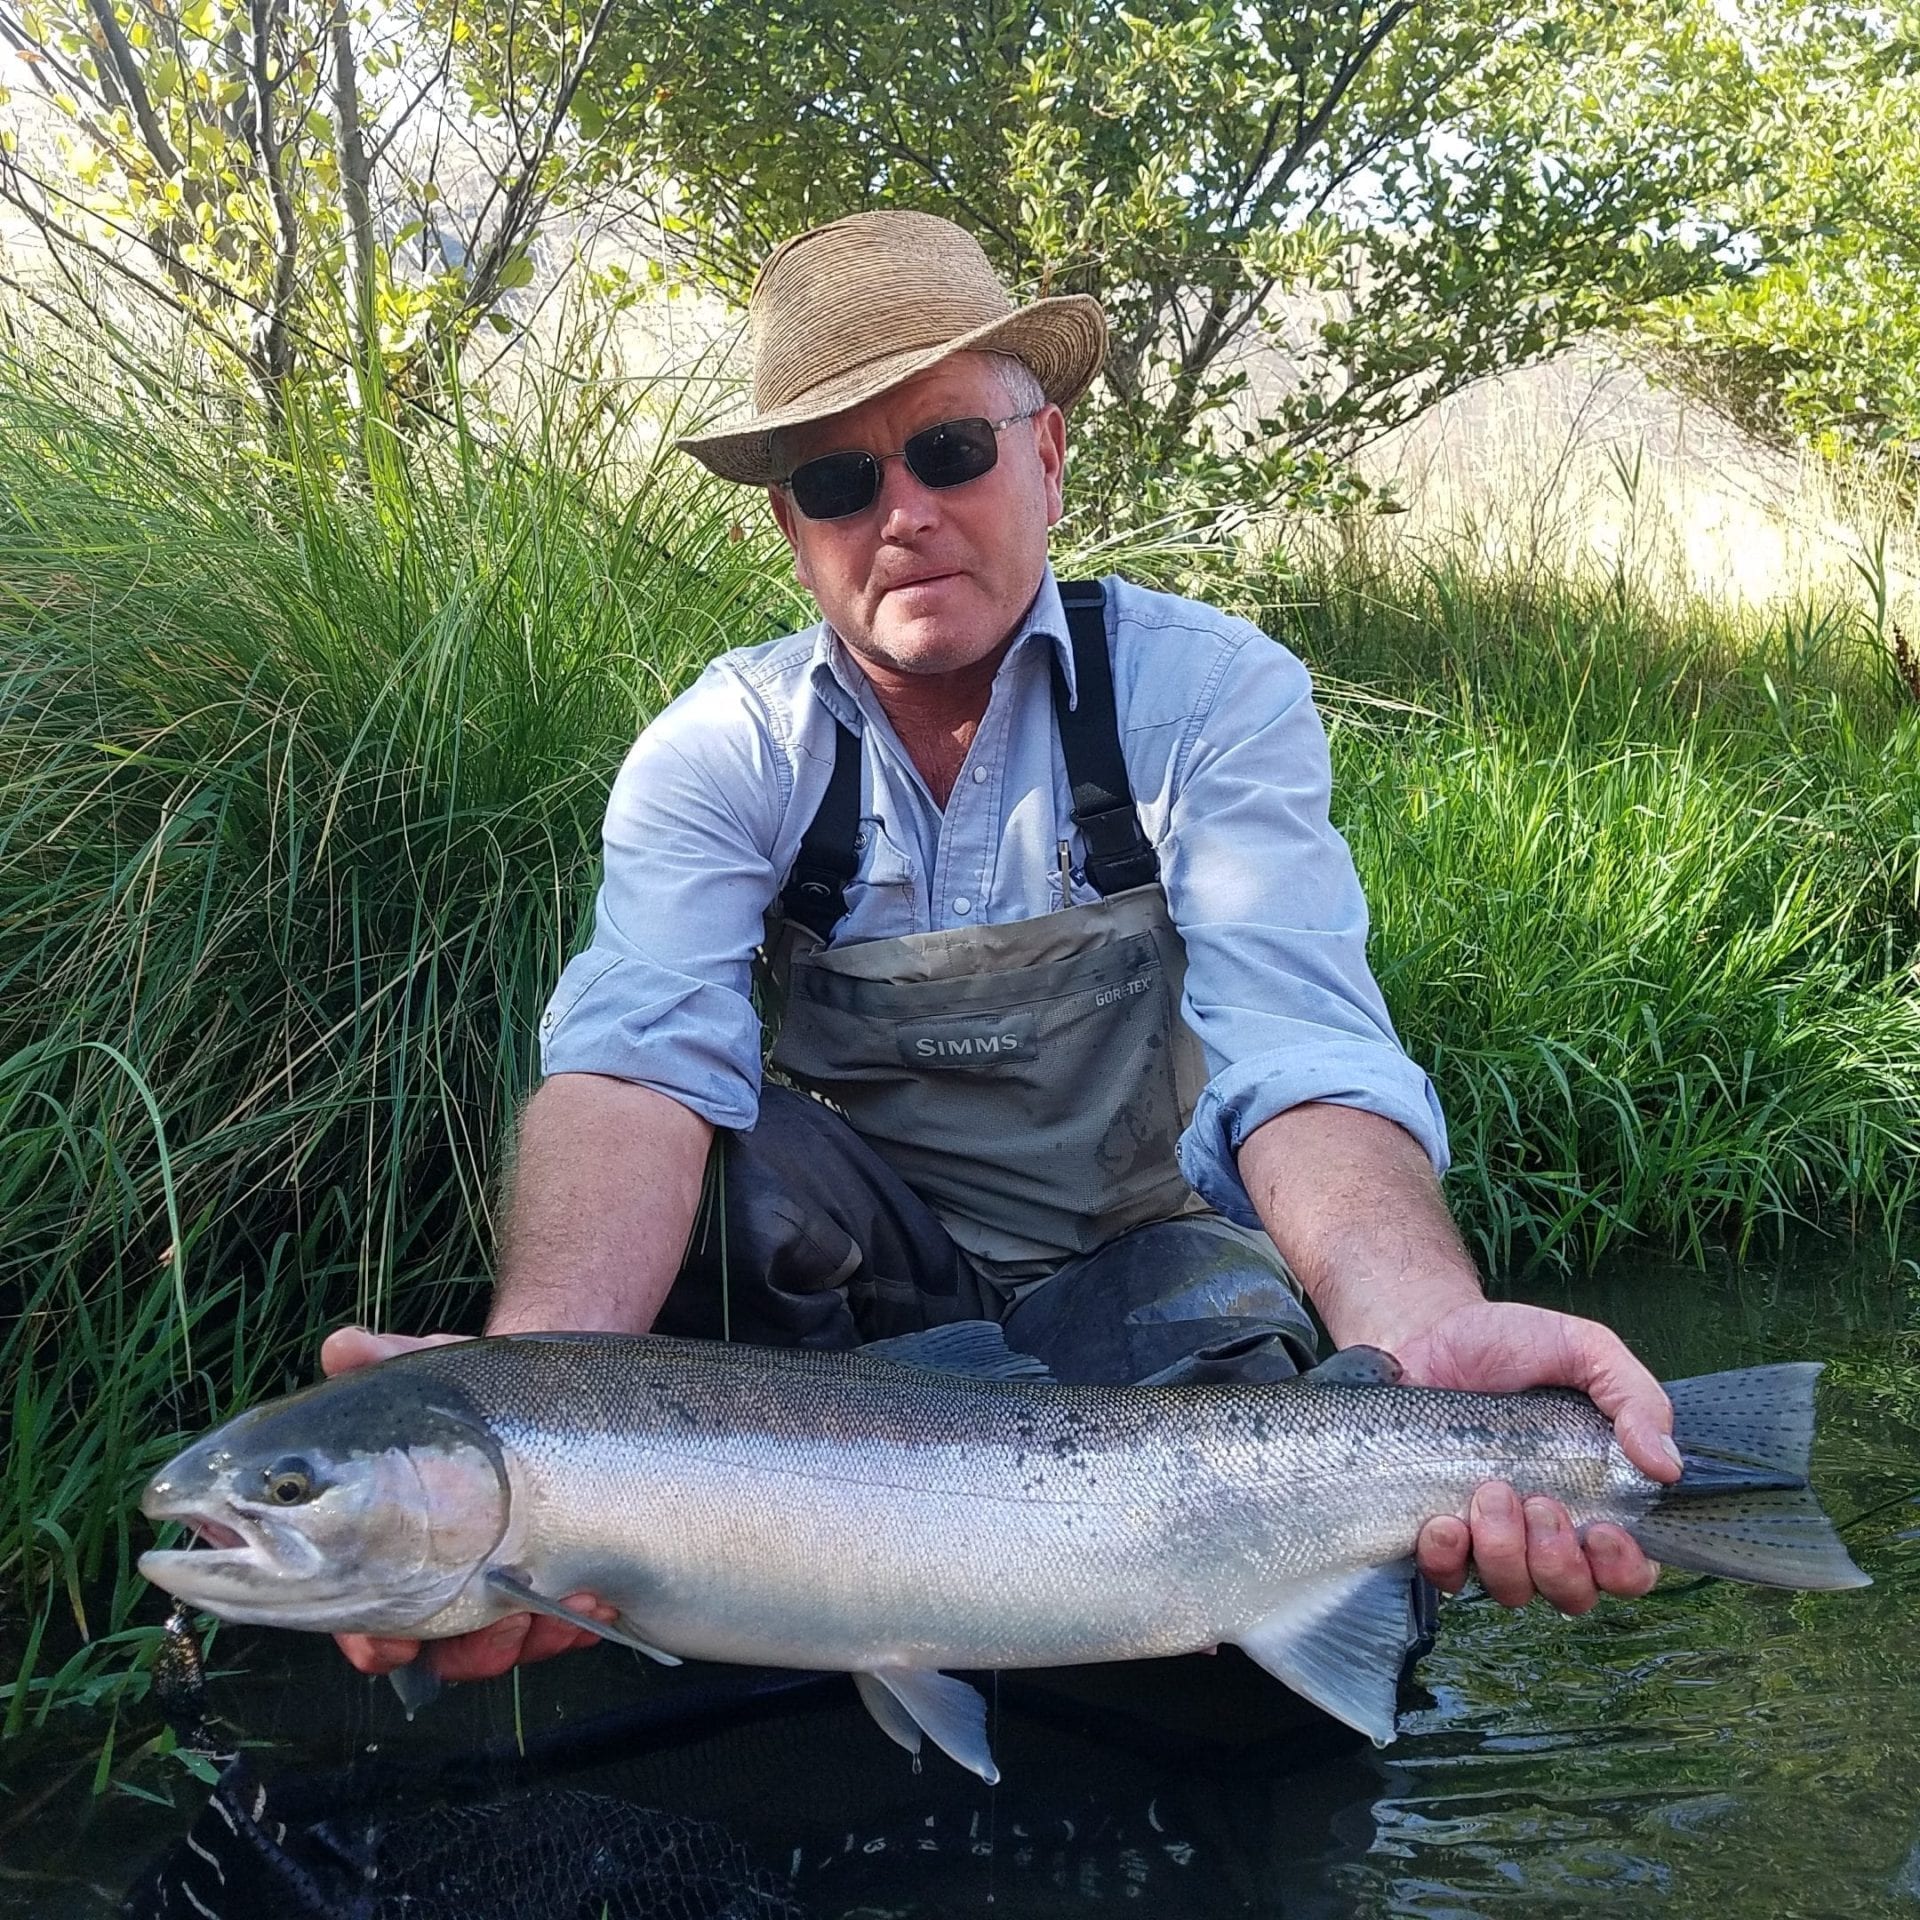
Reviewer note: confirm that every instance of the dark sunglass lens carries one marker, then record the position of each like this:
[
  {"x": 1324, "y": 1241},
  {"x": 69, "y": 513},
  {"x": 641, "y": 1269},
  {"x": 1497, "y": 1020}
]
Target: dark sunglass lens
[
  {"x": 835, "y": 485},
  {"x": 953, "y": 452}
]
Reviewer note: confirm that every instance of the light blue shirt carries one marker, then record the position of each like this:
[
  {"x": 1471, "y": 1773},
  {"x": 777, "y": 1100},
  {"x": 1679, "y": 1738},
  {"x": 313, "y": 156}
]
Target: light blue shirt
[{"x": 1230, "y": 774}]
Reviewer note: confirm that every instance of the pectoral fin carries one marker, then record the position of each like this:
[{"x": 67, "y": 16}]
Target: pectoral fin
[
  {"x": 908, "y": 1701},
  {"x": 1341, "y": 1640},
  {"x": 512, "y": 1586},
  {"x": 416, "y": 1685}
]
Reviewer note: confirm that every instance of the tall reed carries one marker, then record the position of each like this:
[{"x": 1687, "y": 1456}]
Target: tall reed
[{"x": 1646, "y": 893}]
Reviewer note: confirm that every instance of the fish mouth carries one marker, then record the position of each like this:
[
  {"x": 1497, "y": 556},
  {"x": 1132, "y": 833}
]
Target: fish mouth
[
  {"x": 222, "y": 1551},
  {"x": 210, "y": 1546},
  {"x": 210, "y": 1535}
]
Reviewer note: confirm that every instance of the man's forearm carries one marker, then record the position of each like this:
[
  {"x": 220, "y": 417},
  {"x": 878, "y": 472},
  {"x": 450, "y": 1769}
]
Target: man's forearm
[
  {"x": 601, "y": 1198},
  {"x": 1353, "y": 1205}
]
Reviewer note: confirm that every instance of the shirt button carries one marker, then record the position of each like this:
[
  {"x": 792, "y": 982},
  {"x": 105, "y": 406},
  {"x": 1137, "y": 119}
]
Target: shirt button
[
  {"x": 979, "y": 775},
  {"x": 962, "y": 904}
]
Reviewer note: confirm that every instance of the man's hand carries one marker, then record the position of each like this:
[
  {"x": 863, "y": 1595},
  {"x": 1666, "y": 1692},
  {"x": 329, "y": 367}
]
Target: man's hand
[
  {"x": 520, "y": 1638},
  {"x": 1523, "y": 1548}
]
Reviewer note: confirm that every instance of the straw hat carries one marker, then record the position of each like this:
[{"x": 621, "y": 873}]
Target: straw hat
[{"x": 845, "y": 311}]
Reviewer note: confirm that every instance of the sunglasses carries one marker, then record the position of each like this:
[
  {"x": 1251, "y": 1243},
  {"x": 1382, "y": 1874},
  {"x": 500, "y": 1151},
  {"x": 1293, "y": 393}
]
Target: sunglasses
[{"x": 949, "y": 455}]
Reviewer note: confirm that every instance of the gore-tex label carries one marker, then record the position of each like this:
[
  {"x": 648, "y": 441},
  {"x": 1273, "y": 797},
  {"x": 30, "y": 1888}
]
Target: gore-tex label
[{"x": 983, "y": 1042}]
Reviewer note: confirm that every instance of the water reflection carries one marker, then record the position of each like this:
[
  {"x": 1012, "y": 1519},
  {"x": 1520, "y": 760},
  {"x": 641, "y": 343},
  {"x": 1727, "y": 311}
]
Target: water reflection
[{"x": 1711, "y": 1749}]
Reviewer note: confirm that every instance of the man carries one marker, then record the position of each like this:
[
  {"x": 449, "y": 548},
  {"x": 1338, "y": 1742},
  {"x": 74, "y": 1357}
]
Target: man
[{"x": 1049, "y": 903}]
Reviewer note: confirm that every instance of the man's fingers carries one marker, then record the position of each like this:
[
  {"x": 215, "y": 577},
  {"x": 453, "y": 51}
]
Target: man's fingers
[
  {"x": 1443, "y": 1552},
  {"x": 1628, "y": 1394},
  {"x": 518, "y": 1640},
  {"x": 481, "y": 1655},
  {"x": 371, "y": 1653},
  {"x": 1617, "y": 1563},
  {"x": 1648, "y": 1444},
  {"x": 1555, "y": 1563},
  {"x": 348, "y": 1348},
  {"x": 1500, "y": 1544}
]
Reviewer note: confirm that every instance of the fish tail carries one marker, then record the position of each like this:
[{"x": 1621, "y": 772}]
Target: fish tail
[{"x": 1742, "y": 1506}]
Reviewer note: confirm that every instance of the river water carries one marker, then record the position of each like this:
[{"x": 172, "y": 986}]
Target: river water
[{"x": 1712, "y": 1749}]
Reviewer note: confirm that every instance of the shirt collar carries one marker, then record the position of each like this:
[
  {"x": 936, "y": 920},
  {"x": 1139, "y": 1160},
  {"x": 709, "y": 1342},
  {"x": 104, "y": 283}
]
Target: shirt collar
[{"x": 839, "y": 683}]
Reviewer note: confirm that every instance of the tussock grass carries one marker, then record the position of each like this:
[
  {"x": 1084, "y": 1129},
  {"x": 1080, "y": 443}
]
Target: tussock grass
[
  {"x": 300, "y": 788},
  {"x": 1646, "y": 894},
  {"x": 300, "y": 785}
]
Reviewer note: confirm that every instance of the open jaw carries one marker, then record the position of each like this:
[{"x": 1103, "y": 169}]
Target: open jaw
[
  {"x": 210, "y": 1547},
  {"x": 211, "y": 1534}
]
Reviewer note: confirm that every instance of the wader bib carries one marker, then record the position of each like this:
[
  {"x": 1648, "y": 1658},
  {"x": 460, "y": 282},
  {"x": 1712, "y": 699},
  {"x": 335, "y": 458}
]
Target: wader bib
[{"x": 1030, "y": 1081}]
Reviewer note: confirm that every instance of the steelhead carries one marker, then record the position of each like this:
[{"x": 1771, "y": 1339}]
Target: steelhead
[{"x": 936, "y": 1502}]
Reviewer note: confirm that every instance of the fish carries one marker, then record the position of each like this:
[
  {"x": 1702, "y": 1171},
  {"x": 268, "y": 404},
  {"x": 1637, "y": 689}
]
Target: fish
[{"x": 937, "y": 1503}]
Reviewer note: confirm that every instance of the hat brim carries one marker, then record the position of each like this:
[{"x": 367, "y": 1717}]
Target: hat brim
[{"x": 1063, "y": 339}]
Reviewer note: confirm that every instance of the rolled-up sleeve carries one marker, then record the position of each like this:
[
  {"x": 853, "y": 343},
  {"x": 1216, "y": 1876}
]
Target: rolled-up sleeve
[
  {"x": 1265, "y": 895},
  {"x": 661, "y": 995}
]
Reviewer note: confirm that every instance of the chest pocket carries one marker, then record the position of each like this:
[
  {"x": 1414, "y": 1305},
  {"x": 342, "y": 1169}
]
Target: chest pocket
[{"x": 883, "y": 897}]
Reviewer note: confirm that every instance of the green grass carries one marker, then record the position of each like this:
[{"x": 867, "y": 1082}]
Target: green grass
[
  {"x": 300, "y": 783},
  {"x": 300, "y": 786},
  {"x": 1646, "y": 897}
]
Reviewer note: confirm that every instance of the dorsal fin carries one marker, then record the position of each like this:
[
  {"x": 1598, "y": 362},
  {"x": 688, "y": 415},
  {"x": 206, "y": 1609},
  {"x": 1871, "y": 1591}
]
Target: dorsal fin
[{"x": 974, "y": 1347}]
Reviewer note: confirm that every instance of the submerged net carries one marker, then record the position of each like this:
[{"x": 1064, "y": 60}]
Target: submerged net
[
  {"x": 376, "y": 1842},
  {"x": 544, "y": 1855},
  {"x": 567, "y": 1853}
]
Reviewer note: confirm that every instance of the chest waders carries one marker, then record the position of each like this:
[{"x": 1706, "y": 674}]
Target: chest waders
[
  {"x": 1029, "y": 1081},
  {"x": 998, "y": 1112}
]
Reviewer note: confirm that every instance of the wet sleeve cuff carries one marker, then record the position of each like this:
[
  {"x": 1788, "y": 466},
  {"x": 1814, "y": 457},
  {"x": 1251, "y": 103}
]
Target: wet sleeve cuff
[
  {"x": 632, "y": 1019},
  {"x": 1344, "y": 1073}
]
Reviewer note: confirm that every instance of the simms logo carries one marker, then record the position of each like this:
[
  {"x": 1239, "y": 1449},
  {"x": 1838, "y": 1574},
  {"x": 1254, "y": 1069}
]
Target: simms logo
[
  {"x": 973, "y": 1043},
  {"x": 969, "y": 1046}
]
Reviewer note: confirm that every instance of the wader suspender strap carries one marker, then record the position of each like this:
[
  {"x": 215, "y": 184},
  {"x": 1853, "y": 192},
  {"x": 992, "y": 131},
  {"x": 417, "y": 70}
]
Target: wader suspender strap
[
  {"x": 816, "y": 889},
  {"x": 1119, "y": 854}
]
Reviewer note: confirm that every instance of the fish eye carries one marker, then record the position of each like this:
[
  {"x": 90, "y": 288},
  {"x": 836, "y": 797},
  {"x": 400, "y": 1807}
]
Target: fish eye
[{"x": 290, "y": 1481}]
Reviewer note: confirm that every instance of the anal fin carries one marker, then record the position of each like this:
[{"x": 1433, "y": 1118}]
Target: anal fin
[
  {"x": 1341, "y": 1640},
  {"x": 909, "y": 1701},
  {"x": 514, "y": 1587}
]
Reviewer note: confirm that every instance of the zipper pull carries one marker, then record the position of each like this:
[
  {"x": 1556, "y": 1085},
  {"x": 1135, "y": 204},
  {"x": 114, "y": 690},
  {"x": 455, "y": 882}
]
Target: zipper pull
[{"x": 1066, "y": 874}]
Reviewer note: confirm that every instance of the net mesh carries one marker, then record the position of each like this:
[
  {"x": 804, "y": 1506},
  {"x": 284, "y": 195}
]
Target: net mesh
[
  {"x": 554, "y": 1854},
  {"x": 544, "y": 1855}
]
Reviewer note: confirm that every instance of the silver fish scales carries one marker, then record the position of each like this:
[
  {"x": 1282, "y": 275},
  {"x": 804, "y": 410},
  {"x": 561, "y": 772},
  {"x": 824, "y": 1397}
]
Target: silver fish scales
[{"x": 930, "y": 1504}]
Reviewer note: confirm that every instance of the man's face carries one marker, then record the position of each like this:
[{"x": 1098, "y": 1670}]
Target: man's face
[{"x": 928, "y": 580}]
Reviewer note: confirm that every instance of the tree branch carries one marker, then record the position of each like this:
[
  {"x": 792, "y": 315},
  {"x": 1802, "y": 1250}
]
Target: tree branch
[
  {"x": 356, "y": 198},
  {"x": 523, "y": 200},
  {"x": 271, "y": 351},
  {"x": 126, "y": 70},
  {"x": 1345, "y": 78}
]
